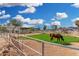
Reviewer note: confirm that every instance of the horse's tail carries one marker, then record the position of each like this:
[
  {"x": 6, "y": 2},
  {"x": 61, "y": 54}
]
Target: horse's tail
[{"x": 62, "y": 38}]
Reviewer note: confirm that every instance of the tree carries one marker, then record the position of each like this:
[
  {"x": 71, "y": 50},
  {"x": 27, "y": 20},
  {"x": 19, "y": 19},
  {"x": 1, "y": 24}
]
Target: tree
[
  {"x": 2, "y": 28},
  {"x": 45, "y": 27},
  {"x": 77, "y": 23},
  {"x": 15, "y": 23}
]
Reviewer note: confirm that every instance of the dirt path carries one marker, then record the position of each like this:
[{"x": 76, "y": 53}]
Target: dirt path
[
  {"x": 3, "y": 45},
  {"x": 51, "y": 50},
  {"x": 76, "y": 44},
  {"x": 2, "y": 42}
]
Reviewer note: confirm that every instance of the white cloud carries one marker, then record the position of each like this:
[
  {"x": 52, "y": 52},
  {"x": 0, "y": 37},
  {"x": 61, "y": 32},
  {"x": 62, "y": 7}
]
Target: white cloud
[
  {"x": 19, "y": 18},
  {"x": 28, "y": 10},
  {"x": 26, "y": 25},
  {"x": 74, "y": 25},
  {"x": 40, "y": 21},
  {"x": 2, "y": 12},
  {"x": 5, "y": 16},
  {"x": 75, "y": 19},
  {"x": 36, "y": 21},
  {"x": 56, "y": 23},
  {"x": 22, "y": 19},
  {"x": 7, "y": 21},
  {"x": 76, "y": 5},
  {"x": 47, "y": 24},
  {"x": 28, "y": 20},
  {"x": 7, "y": 4},
  {"x": 10, "y": 4},
  {"x": 52, "y": 19},
  {"x": 31, "y": 6},
  {"x": 21, "y": 4},
  {"x": 34, "y": 4},
  {"x": 61, "y": 15}
]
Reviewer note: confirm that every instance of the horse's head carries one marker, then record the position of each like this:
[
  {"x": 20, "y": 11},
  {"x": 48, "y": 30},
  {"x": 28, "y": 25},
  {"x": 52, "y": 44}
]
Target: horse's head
[{"x": 51, "y": 34}]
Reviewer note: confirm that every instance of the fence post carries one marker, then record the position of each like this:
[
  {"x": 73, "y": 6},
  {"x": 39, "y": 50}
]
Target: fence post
[{"x": 42, "y": 48}]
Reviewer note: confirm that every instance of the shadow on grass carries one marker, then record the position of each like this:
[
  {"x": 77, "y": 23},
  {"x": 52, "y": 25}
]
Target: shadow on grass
[{"x": 62, "y": 42}]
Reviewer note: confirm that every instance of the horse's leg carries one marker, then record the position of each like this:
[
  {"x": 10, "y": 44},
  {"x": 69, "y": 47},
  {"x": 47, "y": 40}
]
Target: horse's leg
[
  {"x": 62, "y": 38},
  {"x": 58, "y": 39},
  {"x": 51, "y": 38}
]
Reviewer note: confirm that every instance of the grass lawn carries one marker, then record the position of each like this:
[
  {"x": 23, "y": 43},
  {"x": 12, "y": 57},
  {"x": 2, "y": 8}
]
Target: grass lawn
[{"x": 46, "y": 37}]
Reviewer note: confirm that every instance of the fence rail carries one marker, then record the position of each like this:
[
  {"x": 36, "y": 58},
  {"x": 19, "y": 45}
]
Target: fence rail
[
  {"x": 20, "y": 46},
  {"x": 25, "y": 50},
  {"x": 65, "y": 46}
]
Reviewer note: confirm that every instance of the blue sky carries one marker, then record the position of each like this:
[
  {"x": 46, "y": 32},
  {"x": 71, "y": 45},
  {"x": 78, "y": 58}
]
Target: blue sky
[{"x": 47, "y": 11}]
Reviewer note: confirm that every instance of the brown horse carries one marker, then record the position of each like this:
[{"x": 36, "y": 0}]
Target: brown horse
[{"x": 57, "y": 36}]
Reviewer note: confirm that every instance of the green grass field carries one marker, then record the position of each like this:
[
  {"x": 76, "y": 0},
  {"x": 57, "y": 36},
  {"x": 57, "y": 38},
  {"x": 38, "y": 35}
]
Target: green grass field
[{"x": 46, "y": 37}]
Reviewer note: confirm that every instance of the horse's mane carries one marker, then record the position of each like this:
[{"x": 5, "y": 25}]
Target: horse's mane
[{"x": 55, "y": 34}]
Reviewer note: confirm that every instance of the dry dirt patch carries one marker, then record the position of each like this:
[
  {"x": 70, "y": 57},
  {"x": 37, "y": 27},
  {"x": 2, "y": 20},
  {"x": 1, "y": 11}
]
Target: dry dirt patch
[{"x": 51, "y": 50}]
